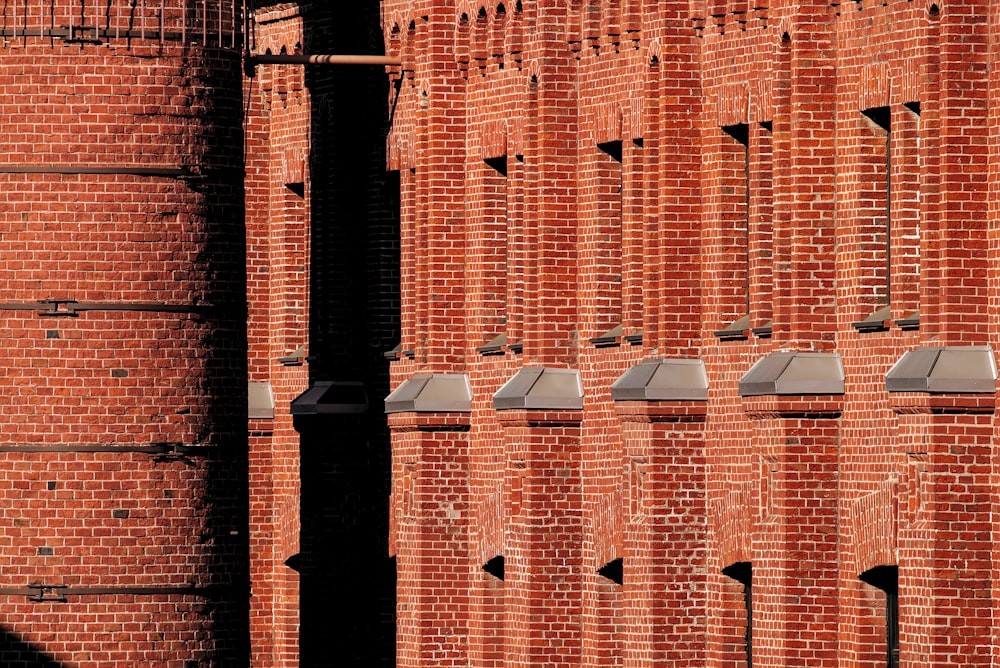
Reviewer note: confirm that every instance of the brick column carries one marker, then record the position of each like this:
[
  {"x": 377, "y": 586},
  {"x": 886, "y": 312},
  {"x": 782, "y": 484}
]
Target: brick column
[
  {"x": 430, "y": 501},
  {"x": 664, "y": 558},
  {"x": 795, "y": 550},
  {"x": 945, "y": 549},
  {"x": 953, "y": 233},
  {"x": 543, "y": 535},
  {"x": 804, "y": 149},
  {"x": 439, "y": 228},
  {"x": 550, "y": 330}
]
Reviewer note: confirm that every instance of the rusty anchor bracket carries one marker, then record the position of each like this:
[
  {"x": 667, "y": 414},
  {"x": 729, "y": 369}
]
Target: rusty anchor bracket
[
  {"x": 169, "y": 451},
  {"x": 46, "y": 593},
  {"x": 83, "y": 35},
  {"x": 58, "y": 307}
]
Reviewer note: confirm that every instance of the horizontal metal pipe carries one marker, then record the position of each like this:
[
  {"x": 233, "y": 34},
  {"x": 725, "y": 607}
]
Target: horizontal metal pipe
[
  {"x": 302, "y": 59},
  {"x": 59, "y": 592},
  {"x": 165, "y": 449},
  {"x": 171, "y": 172}
]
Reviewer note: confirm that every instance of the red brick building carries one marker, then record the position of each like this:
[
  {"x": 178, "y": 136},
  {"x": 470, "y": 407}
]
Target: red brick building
[
  {"x": 322, "y": 291},
  {"x": 699, "y": 307},
  {"x": 162, "y": 243},
  {"x": 123, "y": 443}
]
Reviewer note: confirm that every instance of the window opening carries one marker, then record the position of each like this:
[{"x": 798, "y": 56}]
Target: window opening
[
  {"x": 760, "y": 248},
  {"x": 496, "y": 224},
  {"x": 609, "y": 261},
  {"x": 736, "y": 210},
  {"x": 495, "y": 567},
  {"x": 886, "y": 578},
  {"x": 613, "y": 570},
  {"x": 906, "y": 246},
  {"x": 742, "y": 572},
  {"x": 880, "y": 252}
]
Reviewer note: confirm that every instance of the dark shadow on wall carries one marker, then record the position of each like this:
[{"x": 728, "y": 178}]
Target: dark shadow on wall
[
  {"x": 346, "y": 573},
  {"x": 226, "y": 498},
  {"x": 16, "y": 653}
]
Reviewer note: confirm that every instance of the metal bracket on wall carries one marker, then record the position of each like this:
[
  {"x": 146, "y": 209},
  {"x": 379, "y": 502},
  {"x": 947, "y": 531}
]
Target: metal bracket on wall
[
  {"x": 83, "y": 35},
  {"x": 50, "y": 593},
  {"x": 58, "y": 307},
  {"x": 46, "y": 593},
  {"x": 71, "y": 308},
  {"x": 167, "y": 451}
]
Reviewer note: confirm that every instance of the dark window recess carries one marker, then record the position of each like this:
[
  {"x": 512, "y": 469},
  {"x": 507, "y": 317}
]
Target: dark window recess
[
  {"x": 613, "y": 570},
  {"x": 499, "y": 164},
  {"x": 741, "y": 133},
  {"x": 612, "y": 337},
  {"x": 738, "y": 330},
  {"x": 295, "y": 562},
  {"x": 495, "y": 346},
  {"x": 886, "y": 578},
  {"x": 742, "y": 572},
  {"x": 612, "y": 148},
  {"x": 882, "y": 117},
  {"x": 876, "y": 322},
  {"x": 495, "y": 567}
]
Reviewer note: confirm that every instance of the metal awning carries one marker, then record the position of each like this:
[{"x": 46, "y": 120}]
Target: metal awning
[
  {"x": 431, "y": 393},
  {"x": 791, "y": 373},
  {"x": 331, "y": 398},
  {"x": 541, "y": 388},
  {"x": 663, "y": 380},
  {"x": 260, "y": 400},
  {"x": 944, "y": 369}
]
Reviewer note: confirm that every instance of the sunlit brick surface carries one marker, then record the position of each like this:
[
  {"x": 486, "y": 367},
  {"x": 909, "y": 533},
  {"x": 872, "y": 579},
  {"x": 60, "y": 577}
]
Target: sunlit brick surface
[
  {"x": 123, "y": 320},
  {"x": 602, "y": 183}
]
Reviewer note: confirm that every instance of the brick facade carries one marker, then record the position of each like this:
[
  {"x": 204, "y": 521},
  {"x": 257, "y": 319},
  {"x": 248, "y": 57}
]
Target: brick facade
[
  {"x": 323, "y": 295},
  {"x": 806, "y": 190},
  {"x": 121, "y": 230}
]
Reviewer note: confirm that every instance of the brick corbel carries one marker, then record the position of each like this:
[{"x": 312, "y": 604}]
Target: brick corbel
[
  {"x": 661, "y": 411},
  {"x": 921, "y": 403},
  {"x": 539, "y": 418},
  {"x": 769, "y": 407},
  {"x": 441, "y": 421}
]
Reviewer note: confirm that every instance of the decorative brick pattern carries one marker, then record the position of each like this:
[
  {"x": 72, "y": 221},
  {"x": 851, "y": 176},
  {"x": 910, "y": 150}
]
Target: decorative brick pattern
[{"x": 794, "y": 168}]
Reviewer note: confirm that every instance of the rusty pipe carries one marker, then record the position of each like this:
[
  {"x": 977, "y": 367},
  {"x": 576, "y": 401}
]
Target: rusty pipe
[{"x": 302, "y": 59}]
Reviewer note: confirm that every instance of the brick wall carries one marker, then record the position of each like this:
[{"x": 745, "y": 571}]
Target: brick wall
[
  {"x": 593, "y": 184},
  {"x": 323, "y": 238},
  {"x": 125, "y": 540}
]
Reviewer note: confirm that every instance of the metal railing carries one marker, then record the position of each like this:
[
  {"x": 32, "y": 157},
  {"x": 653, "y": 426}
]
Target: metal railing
[{"x": 207, "y": 23}]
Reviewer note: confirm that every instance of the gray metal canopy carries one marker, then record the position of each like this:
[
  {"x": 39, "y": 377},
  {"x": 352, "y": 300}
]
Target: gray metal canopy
[
  {"x": 663, "y": 380},
  {"x": 327, "y": 397},
  {"x": 792, "y": 373},
  {"x": 431, "y": 393},
  {"x": 260, "y": 400},
  {"x": 944, "y": 369},
  {"x": 541, "y": 388}
]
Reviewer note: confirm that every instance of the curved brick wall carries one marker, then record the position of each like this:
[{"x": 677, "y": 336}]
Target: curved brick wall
[{"x": 122, "y": 415}]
